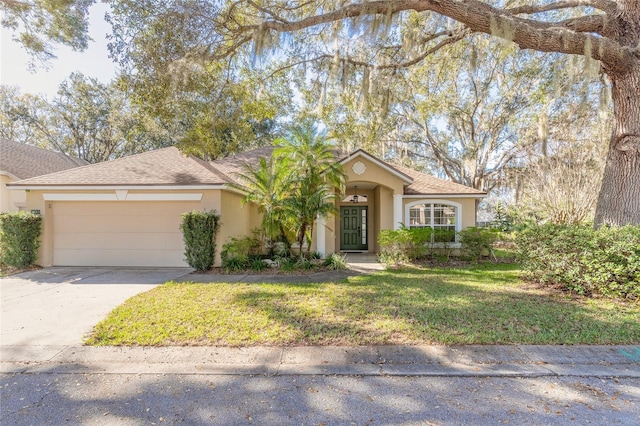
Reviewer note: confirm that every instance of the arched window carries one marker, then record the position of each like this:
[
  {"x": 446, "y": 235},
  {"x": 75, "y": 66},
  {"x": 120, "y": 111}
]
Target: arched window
[{"x": 442, "y": 217}]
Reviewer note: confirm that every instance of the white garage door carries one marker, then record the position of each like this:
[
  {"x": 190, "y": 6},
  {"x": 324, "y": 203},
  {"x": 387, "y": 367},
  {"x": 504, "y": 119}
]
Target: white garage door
[{"x": 119, "y": 233}]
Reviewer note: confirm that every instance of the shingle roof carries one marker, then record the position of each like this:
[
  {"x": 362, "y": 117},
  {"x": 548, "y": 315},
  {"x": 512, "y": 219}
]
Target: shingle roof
[
  {"x": 169, "y": 167},
  {"x": 165, "y": 166},
  {"x": 23, "y": 161},
  {"x": 424, "y": 184},
  {"x": 232, "y": 166}
]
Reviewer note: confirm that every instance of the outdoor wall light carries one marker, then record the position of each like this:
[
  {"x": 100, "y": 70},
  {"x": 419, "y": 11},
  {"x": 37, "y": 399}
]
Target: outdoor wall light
[{"x": 354, "y": 200}]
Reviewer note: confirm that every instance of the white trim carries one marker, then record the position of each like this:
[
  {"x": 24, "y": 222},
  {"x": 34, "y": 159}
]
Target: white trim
[
  {"x": 426, "y": 196},
  {"x": 80, "y": 197},
  {"x": 321, "y": 236},
  {"x": 127, "y": 197},
  {"x": 458, "y": 207},
  {"x": 116, "y": 187},
  {"x": 165, "y": 197},
  {"x": 406, "y": 179},
  {"x": 397, "y": 211},
  {"x": 9, "y": 175}
]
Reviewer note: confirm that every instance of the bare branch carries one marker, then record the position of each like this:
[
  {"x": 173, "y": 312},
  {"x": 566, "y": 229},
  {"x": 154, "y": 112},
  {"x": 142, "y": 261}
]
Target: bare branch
[{"x": 267, "y": 11}]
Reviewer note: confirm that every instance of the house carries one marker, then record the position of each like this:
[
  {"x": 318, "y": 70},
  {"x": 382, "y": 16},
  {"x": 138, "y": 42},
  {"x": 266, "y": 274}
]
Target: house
[
  {"x": 127, "y": 212},
  {"x": 21, "y": 161}
]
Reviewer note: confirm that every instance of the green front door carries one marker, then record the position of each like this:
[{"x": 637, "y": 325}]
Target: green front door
[{"x": 353, "y": 228}]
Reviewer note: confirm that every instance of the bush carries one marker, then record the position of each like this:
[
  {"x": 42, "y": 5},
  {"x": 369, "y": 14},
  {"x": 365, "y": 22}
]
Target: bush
[
  {"x": 305, "y": 264},
  {"x": 336, "y": 262},
  {"x": 199, "y": 231},
  {"x": 477, "y": 242},
  {"x": 582, "y": 259},
  {"x": 239, "y": 252},
  {"x": 287, "y": 264},
  {"x": 235, "y": 264},
  {"x": 19, "y": 238},
  {"x": 404, "y": 244},
  {"x": 257, "y": 264}
]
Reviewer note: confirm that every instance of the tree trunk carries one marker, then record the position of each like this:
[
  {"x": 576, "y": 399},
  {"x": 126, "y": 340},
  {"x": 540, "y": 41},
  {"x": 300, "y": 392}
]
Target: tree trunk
[{"x": 619, "y": 198}]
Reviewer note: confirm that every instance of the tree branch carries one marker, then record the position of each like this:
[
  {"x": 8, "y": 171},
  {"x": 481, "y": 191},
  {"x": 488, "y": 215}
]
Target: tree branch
[
  {"x": 604, "y": 5},
  {"x": 481, "y": 17},
  {"x": 583, "y": 24}
]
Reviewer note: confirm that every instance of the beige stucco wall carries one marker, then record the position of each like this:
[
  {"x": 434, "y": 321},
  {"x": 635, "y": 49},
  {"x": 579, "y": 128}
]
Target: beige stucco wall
[
  {"x": 11, "y": 200},
  {"x": 385, "y": 197},
  {"x": 237, "y": 220},
  {"x": 36, "y": 202},
  {"x": 379, "y": 184},
  {"x": 373, "y": 173}
]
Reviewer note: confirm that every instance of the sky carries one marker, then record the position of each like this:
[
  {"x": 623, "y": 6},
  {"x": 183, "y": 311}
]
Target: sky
[{"x": 94, "y": 62}]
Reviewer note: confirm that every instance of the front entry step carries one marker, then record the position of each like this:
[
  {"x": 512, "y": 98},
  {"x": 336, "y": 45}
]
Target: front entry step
[{"x": 364, "y": 262}]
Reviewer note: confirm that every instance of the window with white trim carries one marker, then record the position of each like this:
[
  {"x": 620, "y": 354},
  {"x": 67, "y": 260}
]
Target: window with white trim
[{"x": 442, "y": 218}]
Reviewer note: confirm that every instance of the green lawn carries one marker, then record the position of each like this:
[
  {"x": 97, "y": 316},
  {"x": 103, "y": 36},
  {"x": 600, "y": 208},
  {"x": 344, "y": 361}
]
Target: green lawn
[{"x": 484, "y": 304}]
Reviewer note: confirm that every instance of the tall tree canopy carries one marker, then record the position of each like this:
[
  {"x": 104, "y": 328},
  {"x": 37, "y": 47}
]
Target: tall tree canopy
[
  {"x": 41, "y": 24},
  {"x": 397, "y": 34}
]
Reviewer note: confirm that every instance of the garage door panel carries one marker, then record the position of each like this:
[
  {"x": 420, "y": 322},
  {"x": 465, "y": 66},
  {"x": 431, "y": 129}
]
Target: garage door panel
[
  {"x": 123, "y": 208},
  {"x": 159, "y": 258},
  {"x": 119, "y": 233},
  {"x": 98, "y": 223},
  {"x": 118, "y": 241}
]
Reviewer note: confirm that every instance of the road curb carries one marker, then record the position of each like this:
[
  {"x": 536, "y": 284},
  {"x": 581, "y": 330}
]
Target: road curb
[{"x": 437, "y": 361}]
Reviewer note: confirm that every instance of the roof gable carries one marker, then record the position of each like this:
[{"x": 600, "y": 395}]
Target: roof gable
[{"x": 406, "y": 179}]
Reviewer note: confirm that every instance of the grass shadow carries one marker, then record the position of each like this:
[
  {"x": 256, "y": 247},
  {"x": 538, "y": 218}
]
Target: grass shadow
[{"x": 480, "y": 304}]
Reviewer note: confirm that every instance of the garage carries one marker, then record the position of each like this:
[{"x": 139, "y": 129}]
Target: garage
[{"x": 119, "y": 233}]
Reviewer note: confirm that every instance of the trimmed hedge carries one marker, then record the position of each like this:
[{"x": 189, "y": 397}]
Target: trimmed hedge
[
  {"x": 199, "y": 231},
  {"x": 404, "y": 244},
  {"x": 19, "y": 238},
  {"x": 476, "y": 242},
  {"x": 582, "y": 259}
]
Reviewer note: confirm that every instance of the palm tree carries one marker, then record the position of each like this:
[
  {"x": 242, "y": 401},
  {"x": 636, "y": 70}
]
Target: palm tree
[
  {"x": 316, "y": 177},
  {"x": 268, "y": 186},
  {"x": 307, "y": 203}
]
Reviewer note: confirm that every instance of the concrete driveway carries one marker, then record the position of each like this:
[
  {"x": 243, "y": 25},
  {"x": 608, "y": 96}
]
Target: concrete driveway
[{"x": 58, "y": 306}]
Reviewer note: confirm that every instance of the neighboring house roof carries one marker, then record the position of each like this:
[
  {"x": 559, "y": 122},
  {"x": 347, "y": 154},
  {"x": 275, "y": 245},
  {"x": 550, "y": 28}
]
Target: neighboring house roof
[
  {"x": 168, "y": 167},
  {"x": 22, "y": 161},
  {"x": 160, "y": 167}
]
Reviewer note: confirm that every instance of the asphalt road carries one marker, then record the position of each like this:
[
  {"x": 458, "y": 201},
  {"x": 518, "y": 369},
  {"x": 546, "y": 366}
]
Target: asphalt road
[{"x": 141, "y": 399}]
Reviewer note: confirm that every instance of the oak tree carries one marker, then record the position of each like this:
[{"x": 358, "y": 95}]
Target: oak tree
[
  {"x": 607, "y": 31},
  {"x": 39, "y": 25}
]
